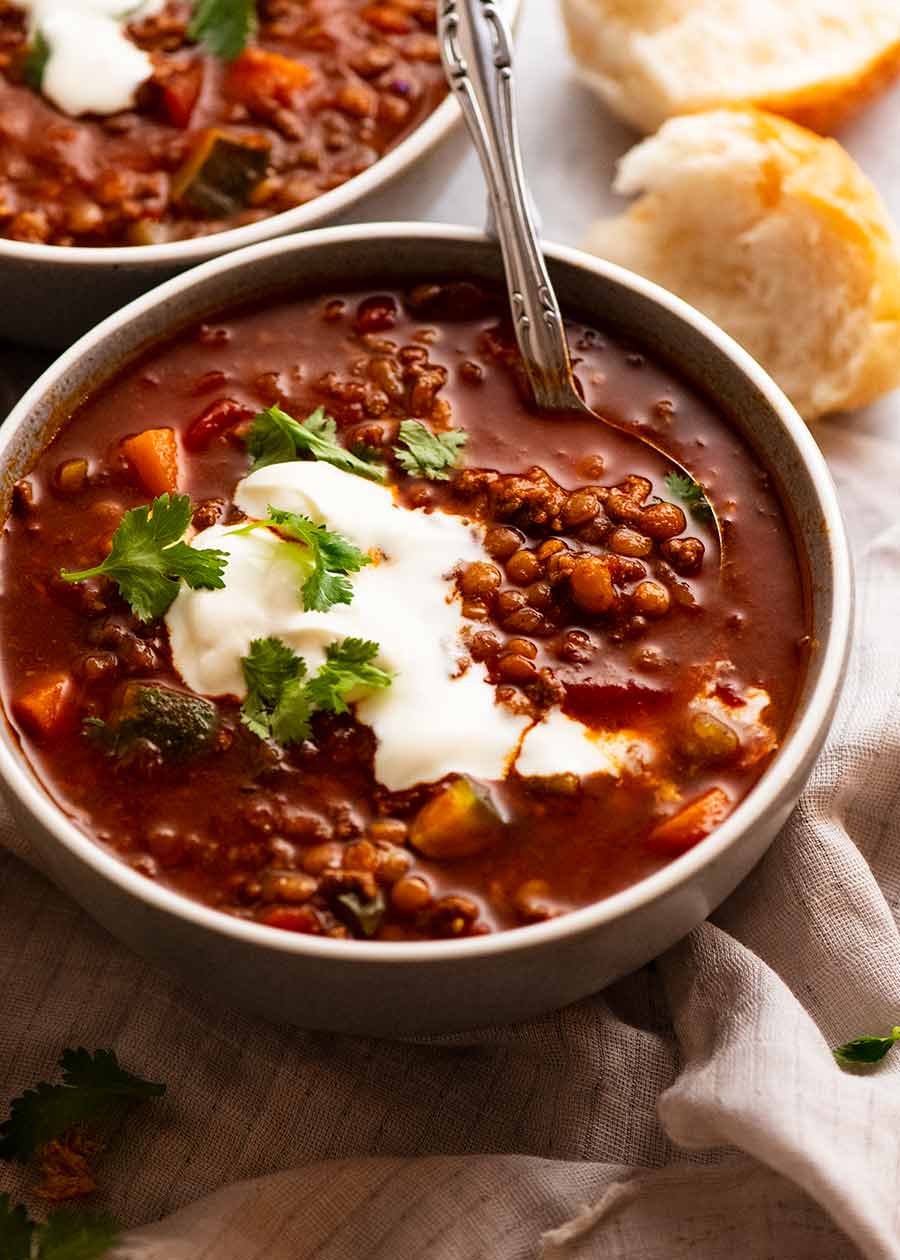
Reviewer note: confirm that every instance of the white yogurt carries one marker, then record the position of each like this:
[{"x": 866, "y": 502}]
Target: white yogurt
[
  {"x": 93, "y": 67},
  {"x": 439, "y": 715}
]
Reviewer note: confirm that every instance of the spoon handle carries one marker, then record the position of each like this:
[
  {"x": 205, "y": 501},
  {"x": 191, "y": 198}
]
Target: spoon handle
[{"x": 477, "y": 53}]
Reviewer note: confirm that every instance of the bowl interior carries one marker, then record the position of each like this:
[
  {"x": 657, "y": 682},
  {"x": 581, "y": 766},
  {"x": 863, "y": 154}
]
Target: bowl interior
[{"x": 606, "y": 296}]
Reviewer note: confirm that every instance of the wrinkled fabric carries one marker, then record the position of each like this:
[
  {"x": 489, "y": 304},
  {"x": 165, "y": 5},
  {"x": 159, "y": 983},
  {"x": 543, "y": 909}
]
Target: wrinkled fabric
[{"x": 692, "y": 1110}]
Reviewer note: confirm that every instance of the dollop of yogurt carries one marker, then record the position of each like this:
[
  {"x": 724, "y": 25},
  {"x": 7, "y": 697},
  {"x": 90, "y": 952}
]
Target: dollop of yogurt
[
  {"x": 92, "y": 67},
  {"x": 440, "y": 714}
]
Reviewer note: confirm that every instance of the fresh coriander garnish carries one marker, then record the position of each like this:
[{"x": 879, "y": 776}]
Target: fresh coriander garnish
[
  {"x": 224, "y": 26},
  {"x": 275, "y": 438},
  {"x": 428, "y": 454},
  {"x": 348, "y": 665},
  {"x": 36, "y": 61},
  {"x": 94, "y": 1088},
  {"x": 866, "y": 1049},
  {"x": 281, "y": 699},
  {"x": 333, "y": 557},
  {"x": 67, "y": 1235},
  {"x": 148, "y": 557},
  {"x": 276, "y": 703},
  {"x": 691, "y": 494}
]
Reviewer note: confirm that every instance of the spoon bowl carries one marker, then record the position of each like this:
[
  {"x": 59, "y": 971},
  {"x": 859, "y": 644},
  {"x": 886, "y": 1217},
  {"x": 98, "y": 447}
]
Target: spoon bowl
[{"x": 476, "y": 48}]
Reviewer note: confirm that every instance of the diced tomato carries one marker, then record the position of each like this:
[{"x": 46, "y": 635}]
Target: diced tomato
[
  {"x": 153, "y": 455},
  {"x": 180, "y": 93},
  {"x": 217, "y": 419},
  {"x": 47, "y": 709},
  {"x": 696, "y": 820},
  {"x": 261, "y": 75}
]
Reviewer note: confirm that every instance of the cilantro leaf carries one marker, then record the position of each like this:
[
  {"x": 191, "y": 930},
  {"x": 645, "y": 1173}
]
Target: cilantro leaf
[
  {"x": 224, "y": 26},
  {"x": 275, "y": 437},
  {"x": 148, "y": 558},
  {"x": 691, "y": 494},
  {"x": 71, "y": 1235},
  {"x": 866, "y": 1049},
  {"x": 94, "y": 1088},
  {"x": 332, "y": 555},
  {"x": 276, "y": 703},
  {"x": 15, "y": 1231},
  {"x": 428, "y": 454},
  {"x": 281, "y": 700},
  {"x": 36, "y": 61},
  {"x": 348, "y": 666}
]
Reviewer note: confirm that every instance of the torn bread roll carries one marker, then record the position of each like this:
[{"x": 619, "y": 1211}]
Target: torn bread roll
[
  {"x": 815, "y": 61},
  {"x": 776, "y": 235}
]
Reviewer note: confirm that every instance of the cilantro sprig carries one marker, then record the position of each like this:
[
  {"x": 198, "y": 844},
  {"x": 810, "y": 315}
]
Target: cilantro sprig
[
  {"x": 865, "y": 1049},
  {"x": 691, "y": 494},
  {"x": 333, "y": 557},
  {"x": 66, "y": 1235},
  {"x": 281, "y": 698},
  {"x": 224, "y": 26},
  {"x": 148, "y": 557},
  {"x": 94, "y": 1088},
  {"x": 275, "y": 437},
  {"x": 422, "y": 453},
  {"x": 36, "y": 61}
]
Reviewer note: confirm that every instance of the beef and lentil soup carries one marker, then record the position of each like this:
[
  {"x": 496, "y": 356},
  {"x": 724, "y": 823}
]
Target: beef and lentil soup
[
  {"x": 437, "y": 665},
  {"x": 144, "y": 134}
]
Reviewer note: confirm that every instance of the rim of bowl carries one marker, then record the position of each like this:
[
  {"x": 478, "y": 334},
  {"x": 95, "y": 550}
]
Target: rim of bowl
[
  {"x": 763, "y": 797},
  {"x": 429, "y": 133}
]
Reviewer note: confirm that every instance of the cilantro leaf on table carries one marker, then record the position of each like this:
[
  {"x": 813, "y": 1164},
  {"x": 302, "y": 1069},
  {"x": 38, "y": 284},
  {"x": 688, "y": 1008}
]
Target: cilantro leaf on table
[
  {"x": 332, "y": 555},
  {"x": 15, "y": 1231},
  {"x": 275, "y": 438},
  {"x": 276, "y": 704},
  {"x": 281, "y": 699},
  {"x": 866, "y": 1049},
  {"x": 427, "y": 454},
  {"x": 348, "y": 665},
  {"x": 71, "y": 1235},
  {"x": 148, "y": 557},
  {"x": 94, "y": 1088},
  {"x": 224, "y": 26},
  {"x": 36, "y": 61},
  {"x": 691, "y": 494}
]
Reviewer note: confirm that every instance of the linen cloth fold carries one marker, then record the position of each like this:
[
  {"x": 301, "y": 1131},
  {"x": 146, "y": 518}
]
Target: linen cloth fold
[{"x": 693, "y": 1110}]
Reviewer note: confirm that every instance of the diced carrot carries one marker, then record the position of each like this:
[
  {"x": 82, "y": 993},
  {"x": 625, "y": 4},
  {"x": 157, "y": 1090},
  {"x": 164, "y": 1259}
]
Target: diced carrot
[
  {"x": 45, "y": 711},
  {"x": 696, "y": 820},
  {"x": 180, "y": 93},
  {"x": 261, "y": 75},
  {"x": 153, "y": 455},
  {"x": 218, "y": 418}
]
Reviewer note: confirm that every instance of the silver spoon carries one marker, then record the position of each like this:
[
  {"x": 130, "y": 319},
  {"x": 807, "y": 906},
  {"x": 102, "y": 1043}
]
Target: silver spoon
[{"x": 476, "y": 49}]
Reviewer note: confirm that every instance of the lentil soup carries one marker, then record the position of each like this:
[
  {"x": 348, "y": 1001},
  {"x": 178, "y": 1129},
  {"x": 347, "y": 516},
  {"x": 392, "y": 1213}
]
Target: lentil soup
[
  {"x": 641, "y": 689},
  {"x": 319, "y": 93}
]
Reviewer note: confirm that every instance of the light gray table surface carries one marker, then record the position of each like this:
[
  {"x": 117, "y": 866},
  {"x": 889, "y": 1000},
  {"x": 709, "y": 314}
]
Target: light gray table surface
[{"x": 570, "y": 146}]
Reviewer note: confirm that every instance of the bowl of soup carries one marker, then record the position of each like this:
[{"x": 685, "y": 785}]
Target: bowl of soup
[
  {"x": 341, "y": 681},
  {"x": 135, "y": 145}
]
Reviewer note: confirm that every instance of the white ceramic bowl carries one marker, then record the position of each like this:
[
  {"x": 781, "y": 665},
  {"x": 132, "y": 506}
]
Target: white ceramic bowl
[
  {"x": 401, "y": 989},
  {"x": 52, "y": 294}
]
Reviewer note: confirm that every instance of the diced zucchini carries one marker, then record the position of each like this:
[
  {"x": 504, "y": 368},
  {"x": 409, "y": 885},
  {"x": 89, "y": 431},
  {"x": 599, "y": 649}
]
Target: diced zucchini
[
  {"x": 460, "y": 821},
  {"x": 220, "y": 174},
  {"x": 179, "y": 725}
]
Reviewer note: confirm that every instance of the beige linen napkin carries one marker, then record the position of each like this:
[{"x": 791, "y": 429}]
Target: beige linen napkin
[{"x": 692, "y": 1110}]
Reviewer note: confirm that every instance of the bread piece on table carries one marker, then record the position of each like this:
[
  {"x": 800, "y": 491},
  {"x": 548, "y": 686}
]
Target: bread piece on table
[
  {"x": 815, "y": 61},
  {"x": 778, "y": 236}
]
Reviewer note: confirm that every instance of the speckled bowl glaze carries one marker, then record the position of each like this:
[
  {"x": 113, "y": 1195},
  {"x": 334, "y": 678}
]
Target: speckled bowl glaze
[
  {"x": 410, "y": 989},
  {"x": 52, "y": 294}
]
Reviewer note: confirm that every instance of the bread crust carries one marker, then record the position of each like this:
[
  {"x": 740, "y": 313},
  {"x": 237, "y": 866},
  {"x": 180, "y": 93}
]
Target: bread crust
[
  {"x": 814, "y": 255},
  {"x": 605, "y": 63}
]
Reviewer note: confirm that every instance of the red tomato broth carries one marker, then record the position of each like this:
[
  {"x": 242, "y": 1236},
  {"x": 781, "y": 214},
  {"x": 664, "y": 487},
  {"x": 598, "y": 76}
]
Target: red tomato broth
[
  {"x": 231, "y": 811},
  {"x": 114, "y": 180}
]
